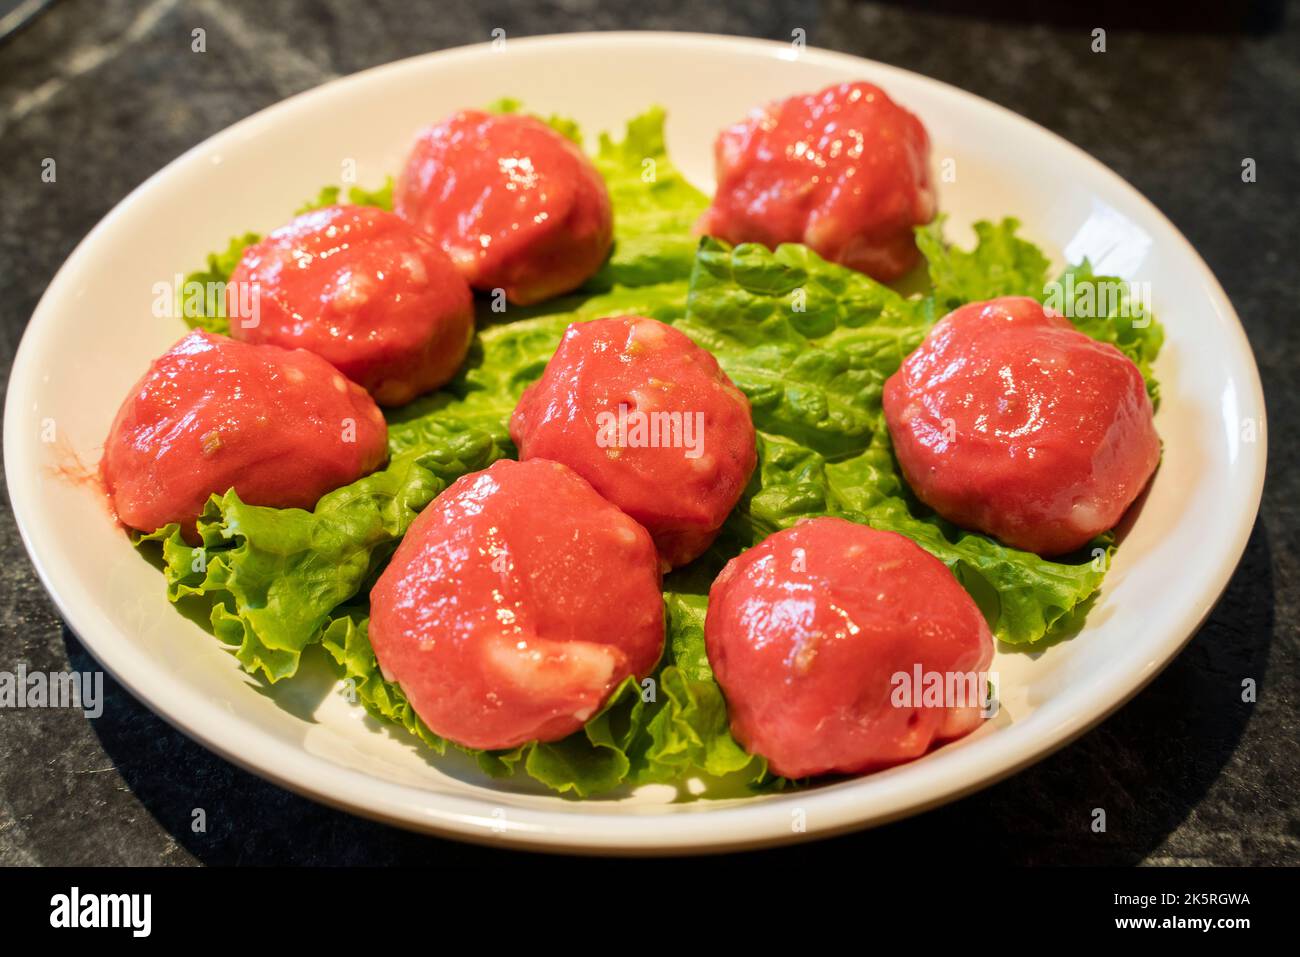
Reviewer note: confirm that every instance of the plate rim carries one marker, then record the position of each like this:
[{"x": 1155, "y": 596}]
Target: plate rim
[{"x": 743, "y": 825}]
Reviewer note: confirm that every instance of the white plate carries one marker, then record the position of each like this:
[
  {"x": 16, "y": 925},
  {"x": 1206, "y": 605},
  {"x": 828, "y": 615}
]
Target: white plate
[{"x": 94, "y": 333}]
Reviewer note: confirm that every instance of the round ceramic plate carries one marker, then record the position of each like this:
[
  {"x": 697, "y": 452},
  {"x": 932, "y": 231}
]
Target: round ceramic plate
[{"x": 94, "y": 333}]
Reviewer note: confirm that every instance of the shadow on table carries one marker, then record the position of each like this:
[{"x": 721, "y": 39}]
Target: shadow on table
[{"x": 1148, "y": 767}]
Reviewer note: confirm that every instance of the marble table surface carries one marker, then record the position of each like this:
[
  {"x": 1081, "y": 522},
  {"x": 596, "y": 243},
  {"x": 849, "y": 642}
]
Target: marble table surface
[{"x": 1188, "y": 772}]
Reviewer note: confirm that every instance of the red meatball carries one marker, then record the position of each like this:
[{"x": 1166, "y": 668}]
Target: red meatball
[
  {"x": 1009, "y": 421},
  {"x": 514, "y": 204},
  {"x": 281, "y": 427},
  {"x": 825, "y": 637},
  {"x": 650, "y": 420},
  {"x": 518, "y": 601},
  {"x": 844, "y": 171},
  {"x": 363, "y": 289}
]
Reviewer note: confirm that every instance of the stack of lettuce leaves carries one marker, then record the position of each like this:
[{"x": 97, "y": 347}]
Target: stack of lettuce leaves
[{"x": 809, "y": 342}]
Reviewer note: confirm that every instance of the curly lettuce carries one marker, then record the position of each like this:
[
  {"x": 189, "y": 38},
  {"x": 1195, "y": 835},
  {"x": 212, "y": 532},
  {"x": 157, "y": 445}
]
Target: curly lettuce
[
  {"x": 1004, "y": 264},
  {"x": 356, "y": 196},
  {"x": 810, "y": 343},
  {"x": 278, "y": 581},
  {"x": 1000, "y": 264},
  {"x": 655, "y": 208}
]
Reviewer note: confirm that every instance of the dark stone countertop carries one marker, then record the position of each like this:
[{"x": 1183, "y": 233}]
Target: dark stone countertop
[{"x": 1189, "y": 774}]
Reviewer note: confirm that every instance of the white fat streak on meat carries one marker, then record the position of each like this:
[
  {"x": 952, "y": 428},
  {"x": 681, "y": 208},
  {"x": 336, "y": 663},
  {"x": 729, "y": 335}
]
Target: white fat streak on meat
[
  {"x": 413, "y": 266},
  {"x": 351, "y": 290},
  {"x": 553, "y": 671},
  {"x": 1085, "y": 516},
  {"x": 646, "y": 334}
]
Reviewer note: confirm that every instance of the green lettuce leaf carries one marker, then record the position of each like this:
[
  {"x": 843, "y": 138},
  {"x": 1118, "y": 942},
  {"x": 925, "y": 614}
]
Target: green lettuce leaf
[
  {"x": 563, "y": 125},
  {"x": 1104, "y": 308},
  {"x": 277, "y": 581},
  {"x": 593, "y": 761},
  {"x": 655, "y": 208},
  {"x": 811, "y": 346},
  {"x": 274, "y": 576},
  {"x": 202, "y": 297},
  {"x": 688, "y": 731},
  {"x": 810, "y": 343},
  {"x": 617, "y": 746},
  {"x": 1001, "y": 264},
  {"x": 347, "y": 642},
  {"x": 357, "y": 196}
]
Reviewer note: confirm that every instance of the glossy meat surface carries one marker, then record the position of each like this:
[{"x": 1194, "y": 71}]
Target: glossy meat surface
[
  {"x": 844, "y": 171},
  {"x": 513, "y": 203},
  {"x": 809, "y": 632},
  {"x": 518, "y": 600},
  {"x": 363, "y": 289},
  {"x": 650, "y": 420},
  {"x": 1009, "y": 421},
  {"x": 282, "y": 427}
]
